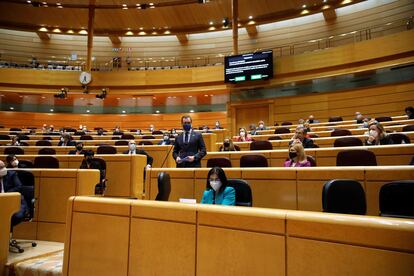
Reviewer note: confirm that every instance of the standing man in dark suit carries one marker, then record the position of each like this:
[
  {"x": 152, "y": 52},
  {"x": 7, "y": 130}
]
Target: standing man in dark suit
[
  {"x": 10, "y": 182},
  {"x": 189, "y": 147}
]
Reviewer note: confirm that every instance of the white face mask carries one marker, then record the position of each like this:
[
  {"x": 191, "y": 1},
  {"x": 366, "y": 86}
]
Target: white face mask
[
  {"x": 216, "y": 184},
  {"x": 373, "y": 133},
  {"x": 261, "y": 126},
  {"x": 15, "y": 163},
  {"x": 242, "y": 133},
  {"x": 132, "y": 147},
  {"x": 3, "y": 172}
]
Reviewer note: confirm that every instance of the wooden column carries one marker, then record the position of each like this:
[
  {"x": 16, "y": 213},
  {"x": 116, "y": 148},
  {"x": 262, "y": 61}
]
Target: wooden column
[
  {"x": 91, "y": 18},
  {"x": 235, "y": 22}
]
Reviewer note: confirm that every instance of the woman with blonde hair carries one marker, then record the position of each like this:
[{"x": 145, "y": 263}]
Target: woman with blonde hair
[
  {"x": 377, "y": 135},
  {"x": 297, "y": 156},
  {"x": 227, "y": 145},
  {"x": 243, "y": 135}
]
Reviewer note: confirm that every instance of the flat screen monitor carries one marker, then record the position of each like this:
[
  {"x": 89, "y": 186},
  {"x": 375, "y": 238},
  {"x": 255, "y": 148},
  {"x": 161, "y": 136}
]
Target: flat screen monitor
[{"x": 248, "y": 67}]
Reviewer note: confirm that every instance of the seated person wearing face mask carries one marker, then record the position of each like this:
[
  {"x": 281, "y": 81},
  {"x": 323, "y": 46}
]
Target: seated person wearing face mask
[
  {"x": 227, "y": 145},
  {"x": 11, "y": 161},
  {"x": 15, "y": 141},
  {"x": 217, "y": 125},
  {"x": 206, "y": 129},
  {"x": 300, "y": 136},
  {"x": 261, "y": 126},
  {"x": 377, "y": 135},
  {"x": 100, "y": 132},
  {"x": 253, "y": 130},
  {"x": 132, "y": 149},
  {"x": 173, "y": 132},
  {"x": 10, "y": 182},
  {"x": 117, "y": 131},
  {"x": 79, "y": 149},
  {"x": 409, "y": 111},
  {"x": 66, "y": 140},
  {"x": 165, "y": 140},
  {"x": 311, "y": 120},
  {"x": 243, "y": 136},
  {"x": 297, "y": 156},
  {"x": 217, "y": 191}
]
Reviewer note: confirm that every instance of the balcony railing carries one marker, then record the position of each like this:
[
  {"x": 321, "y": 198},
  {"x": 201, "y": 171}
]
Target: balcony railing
[{"x": 124, "y": 61}]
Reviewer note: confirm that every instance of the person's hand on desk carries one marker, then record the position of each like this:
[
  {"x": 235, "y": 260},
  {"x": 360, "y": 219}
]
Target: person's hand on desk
[{"x": 190, "y": 158}]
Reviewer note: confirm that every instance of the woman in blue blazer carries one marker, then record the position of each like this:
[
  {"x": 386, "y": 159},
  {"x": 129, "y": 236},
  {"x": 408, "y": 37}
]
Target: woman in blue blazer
[{"x": 217, "y": 191}]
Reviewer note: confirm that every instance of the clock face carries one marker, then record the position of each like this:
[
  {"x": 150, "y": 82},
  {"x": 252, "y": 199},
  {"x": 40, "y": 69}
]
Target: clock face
[{"x": 85, "y": 78}]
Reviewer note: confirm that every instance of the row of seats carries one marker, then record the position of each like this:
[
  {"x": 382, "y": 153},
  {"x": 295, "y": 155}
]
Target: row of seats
[
  {"x": 282, "y": 188},
  {"x": 344, "y": 196}
]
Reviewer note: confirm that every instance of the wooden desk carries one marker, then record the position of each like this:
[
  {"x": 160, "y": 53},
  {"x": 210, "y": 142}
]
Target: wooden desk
[
  {"x": 9, "y": 204},
  {"x": 155, "y": 238},
  {"x": 53, "y": 187}
]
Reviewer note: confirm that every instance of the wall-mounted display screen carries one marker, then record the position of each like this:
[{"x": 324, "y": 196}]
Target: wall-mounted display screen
[{"x": 248, "y": 67}]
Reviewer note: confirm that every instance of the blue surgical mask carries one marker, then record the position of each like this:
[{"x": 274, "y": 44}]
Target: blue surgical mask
[{"x": 187, "y": 127}]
